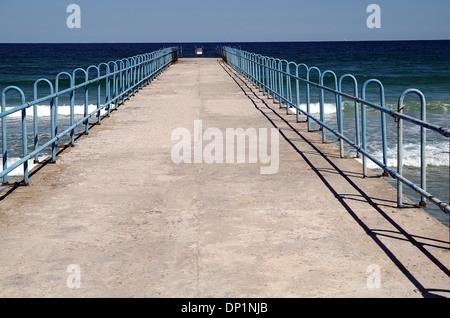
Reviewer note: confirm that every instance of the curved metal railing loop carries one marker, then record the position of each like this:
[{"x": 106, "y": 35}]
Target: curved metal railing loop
[
  {"x": 54, "y": 111},
  {"x": 107, "y": 86},
  {"x": 322, "y": 99},
  {"x": 289, "y": 85},
  {"x": 297, "y": 86},
  {"x": 341, "y": 109},
  {"x": 35, "y": 112},
  {"x": 97, "y": 81},
  {"x": 383, "y": 123},
  {"x": 281, "y": 75},
  {"x": 423, "y": 145},
  {"x": 24, "y": 160},
  {"x": 308, "y": 92}
]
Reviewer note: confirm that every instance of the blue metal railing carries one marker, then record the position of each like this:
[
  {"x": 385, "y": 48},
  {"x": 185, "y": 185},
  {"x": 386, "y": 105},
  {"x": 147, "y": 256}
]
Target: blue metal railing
[
  {"x": 276, "y": 78},
  {"x": 123, "y": 78}
]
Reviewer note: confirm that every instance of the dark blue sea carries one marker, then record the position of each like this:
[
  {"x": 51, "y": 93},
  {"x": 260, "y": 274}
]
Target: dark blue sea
[{"x": 399, "y": 65}]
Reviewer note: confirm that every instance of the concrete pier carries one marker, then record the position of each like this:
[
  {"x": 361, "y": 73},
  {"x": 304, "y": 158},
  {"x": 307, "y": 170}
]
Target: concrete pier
[{"x": 136, "y": 224}]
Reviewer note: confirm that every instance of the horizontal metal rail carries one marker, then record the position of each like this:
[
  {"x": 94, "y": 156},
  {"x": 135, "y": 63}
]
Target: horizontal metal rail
[
  {"x": 273, "y": 77},
  {"x": 123, "y": 78}
]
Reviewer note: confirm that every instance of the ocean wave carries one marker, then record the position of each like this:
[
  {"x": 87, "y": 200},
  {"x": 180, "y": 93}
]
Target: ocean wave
[
  {"x": 330, "y": 108},
  {"x": 432, "y": 107},
  {"x": 63, "y": 110},
  {"x": 314, "y": 108},
  {"x": 436, "y": 155},
  {"x": 18, "y": 172},
  {"x": 437, "y": 113}
]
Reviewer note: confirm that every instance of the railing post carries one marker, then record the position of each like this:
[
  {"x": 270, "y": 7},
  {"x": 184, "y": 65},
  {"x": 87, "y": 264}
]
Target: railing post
[
  {"x": 4, "y": 139},
  {"x": 72, "y": 113},
  {"x": 24, "y": 142}
]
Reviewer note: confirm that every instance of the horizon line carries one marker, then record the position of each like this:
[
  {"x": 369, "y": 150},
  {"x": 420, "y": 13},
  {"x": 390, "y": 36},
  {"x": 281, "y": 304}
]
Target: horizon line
[{"x": 187, "y": 42}]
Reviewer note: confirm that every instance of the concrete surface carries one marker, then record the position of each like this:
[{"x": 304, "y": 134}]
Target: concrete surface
[{"x": 138, "y": 225}]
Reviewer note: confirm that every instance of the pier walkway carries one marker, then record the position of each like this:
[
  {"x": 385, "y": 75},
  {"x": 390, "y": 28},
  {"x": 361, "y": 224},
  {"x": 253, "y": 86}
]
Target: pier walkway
[{"x": 136, "y": 224}]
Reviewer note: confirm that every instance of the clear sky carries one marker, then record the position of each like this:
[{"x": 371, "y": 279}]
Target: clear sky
[{"x": 43, "y": 21}]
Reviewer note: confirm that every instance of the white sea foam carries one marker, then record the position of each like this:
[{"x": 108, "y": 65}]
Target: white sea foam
[
  {"x": 63, "y": 110},
  {"x": 18, "y": 172},
  {"x": 314, "y": 108},
  {"x": 436, "y": 155}
]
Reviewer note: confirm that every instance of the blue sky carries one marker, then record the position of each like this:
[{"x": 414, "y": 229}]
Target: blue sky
[{"x": 25, "y": 21}]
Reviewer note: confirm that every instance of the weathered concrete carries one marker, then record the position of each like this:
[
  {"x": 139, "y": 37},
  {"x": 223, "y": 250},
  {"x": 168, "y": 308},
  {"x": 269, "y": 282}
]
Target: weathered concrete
[{"x": 139, "y": 225}]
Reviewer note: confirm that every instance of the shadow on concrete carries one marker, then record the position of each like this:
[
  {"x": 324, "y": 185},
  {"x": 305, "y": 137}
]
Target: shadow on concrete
[{"x": 372, "y": 233}]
